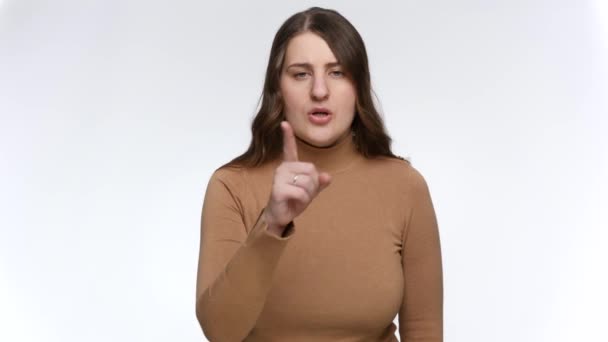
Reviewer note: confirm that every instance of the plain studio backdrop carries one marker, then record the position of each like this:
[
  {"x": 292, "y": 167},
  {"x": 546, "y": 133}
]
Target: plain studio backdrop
[{"x": 115, "y": 113}]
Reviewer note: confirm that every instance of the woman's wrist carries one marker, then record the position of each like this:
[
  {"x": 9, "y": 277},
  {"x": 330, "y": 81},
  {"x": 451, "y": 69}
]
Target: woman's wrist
[{"x": 273, "y": 227}]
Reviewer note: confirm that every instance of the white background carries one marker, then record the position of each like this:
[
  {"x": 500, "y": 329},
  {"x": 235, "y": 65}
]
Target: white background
[{"x": 115, "y": 113}]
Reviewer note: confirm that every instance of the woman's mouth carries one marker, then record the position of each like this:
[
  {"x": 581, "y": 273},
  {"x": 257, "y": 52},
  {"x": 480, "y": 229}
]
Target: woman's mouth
[{"x": 319, "y": 116}]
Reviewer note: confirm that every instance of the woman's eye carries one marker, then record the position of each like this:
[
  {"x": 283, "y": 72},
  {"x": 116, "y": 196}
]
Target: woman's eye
[
  {"x": 337, "y": 73},
  {"x": 300, "y": 75}
]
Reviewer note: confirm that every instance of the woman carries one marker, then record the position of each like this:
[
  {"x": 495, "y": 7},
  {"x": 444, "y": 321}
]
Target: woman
[{"x": 318, "y": 232}]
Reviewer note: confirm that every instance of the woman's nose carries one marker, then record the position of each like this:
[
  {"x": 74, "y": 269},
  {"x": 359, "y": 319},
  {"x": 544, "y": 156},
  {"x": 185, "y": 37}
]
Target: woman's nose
[{"x": 319, "y": 89}]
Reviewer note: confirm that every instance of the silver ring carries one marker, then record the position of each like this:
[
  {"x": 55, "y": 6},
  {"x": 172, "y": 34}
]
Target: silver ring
[{"x": 295, "y": 179}]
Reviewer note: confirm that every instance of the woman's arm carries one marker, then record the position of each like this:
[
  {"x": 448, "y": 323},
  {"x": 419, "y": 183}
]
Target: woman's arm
[
  {"x": 235, "y": 268},
  {"x": 421, "y": 314}
]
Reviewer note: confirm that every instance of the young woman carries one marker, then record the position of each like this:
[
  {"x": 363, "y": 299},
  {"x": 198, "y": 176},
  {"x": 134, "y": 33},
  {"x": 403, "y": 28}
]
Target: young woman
[{"x": 318, "y": 232}]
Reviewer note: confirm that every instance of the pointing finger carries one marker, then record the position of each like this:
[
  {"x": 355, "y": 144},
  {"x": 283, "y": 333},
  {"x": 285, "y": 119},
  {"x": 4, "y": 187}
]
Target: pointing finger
[{"x": 290, "y": 151}]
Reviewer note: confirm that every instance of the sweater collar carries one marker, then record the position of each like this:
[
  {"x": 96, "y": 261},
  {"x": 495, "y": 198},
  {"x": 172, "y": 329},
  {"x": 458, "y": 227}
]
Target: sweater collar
[{"x": 331, "y": 159}]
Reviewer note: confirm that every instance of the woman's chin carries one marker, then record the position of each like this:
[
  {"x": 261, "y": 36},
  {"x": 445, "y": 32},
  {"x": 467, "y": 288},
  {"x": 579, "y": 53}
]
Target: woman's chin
[
  {"x": 313, "y": 141},
  {"x": 320, "y": 142}
]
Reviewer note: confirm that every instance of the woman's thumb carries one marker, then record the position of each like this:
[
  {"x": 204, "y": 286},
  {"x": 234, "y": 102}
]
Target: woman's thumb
[{"x": 324, "y": 180}]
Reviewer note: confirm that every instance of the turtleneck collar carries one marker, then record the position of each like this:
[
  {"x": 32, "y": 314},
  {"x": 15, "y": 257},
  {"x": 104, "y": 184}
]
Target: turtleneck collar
[{"x": 332, "y": 159}]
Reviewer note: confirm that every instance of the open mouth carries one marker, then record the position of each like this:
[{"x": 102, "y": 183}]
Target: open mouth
[{"x": 319, "y": 116}]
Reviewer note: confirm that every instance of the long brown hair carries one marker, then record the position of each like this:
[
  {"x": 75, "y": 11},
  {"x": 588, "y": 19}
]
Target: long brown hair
[{"x": 370, "y": 137}]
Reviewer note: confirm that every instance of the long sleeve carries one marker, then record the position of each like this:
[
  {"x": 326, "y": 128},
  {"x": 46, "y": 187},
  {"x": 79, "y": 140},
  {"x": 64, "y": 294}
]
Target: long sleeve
[
  {"x": 421, "y": 313},
  {"x": 236, "y": 263}
]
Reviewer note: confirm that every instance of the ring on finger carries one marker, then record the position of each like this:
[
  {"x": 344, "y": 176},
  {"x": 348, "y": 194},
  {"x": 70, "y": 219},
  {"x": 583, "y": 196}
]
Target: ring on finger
[{"x": 295, "y": 179}]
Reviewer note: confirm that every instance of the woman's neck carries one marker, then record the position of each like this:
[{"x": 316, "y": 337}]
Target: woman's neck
[{"x": 334, "y": 158}]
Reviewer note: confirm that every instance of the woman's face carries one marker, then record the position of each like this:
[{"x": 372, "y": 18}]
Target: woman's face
[{"x": 319, "y": 100}]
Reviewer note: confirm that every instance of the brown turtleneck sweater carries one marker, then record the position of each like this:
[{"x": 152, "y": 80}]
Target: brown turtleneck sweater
[{"x": 366, "y": 249}]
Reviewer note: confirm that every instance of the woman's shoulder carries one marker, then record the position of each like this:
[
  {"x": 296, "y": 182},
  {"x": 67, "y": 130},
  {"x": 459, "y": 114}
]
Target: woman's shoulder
[
  {"x": 395, "y": 164},
  {"x": 398, "y": 168},
  {"x": 229, "y": 176},
  {"x": 228, "y": 172},
  {"x": 395, "y": 160},
  {"x": 238, "y": 175}
]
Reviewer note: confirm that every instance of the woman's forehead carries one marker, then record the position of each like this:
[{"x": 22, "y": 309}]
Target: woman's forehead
[{"x": 309, "y": 48}]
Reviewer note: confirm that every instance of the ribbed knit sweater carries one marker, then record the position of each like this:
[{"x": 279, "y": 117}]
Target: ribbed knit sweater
[{"x": 364, "y": 251}]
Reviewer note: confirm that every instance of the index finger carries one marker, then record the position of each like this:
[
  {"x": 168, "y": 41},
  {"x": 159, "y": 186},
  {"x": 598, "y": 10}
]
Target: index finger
[{"x": 290, "y": 151}]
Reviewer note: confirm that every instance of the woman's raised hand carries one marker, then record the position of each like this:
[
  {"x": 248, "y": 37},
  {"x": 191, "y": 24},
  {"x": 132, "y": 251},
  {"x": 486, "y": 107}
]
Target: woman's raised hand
[{"x": 294, "y": 185}]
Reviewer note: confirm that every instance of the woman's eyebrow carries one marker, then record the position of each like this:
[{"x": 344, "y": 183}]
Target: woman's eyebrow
[{"x": 309, "y": 66}]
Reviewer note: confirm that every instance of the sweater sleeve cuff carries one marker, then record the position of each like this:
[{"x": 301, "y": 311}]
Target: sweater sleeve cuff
[
  {"x": 289, "y": 230},
  {"x": 260, "y": 233}
]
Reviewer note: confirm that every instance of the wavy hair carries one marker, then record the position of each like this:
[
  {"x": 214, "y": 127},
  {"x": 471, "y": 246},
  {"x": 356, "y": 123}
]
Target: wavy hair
[{"x": 370, "y": 136}]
